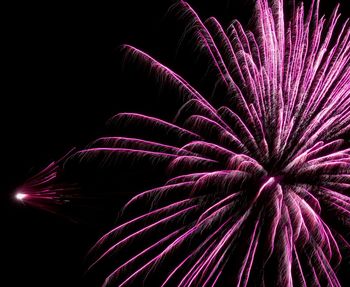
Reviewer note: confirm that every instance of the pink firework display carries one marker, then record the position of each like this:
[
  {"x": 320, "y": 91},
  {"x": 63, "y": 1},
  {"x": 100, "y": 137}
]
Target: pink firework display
[{"x": 259, "y": 174}]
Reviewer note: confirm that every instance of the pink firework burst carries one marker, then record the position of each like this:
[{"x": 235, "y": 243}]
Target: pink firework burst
[{"x": 258, "y": 182}]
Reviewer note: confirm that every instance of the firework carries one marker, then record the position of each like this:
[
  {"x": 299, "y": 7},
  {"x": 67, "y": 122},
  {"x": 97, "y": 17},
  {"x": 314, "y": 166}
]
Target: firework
[
  {"x": 258, "y": 173},
  {"x": 44, "y": 190}
]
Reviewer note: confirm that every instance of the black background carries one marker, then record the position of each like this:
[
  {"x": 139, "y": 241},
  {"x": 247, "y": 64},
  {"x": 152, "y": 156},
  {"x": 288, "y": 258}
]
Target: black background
[{"x": 63, "y": 79}]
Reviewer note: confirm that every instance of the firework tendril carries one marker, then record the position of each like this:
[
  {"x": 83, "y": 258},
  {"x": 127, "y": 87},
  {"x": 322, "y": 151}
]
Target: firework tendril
[{"x": 258, "y": 187}]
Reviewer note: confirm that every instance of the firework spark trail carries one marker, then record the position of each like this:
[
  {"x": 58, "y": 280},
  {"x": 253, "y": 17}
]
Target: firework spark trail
[
  {"x": 44, "y": 190},
  {"x": 259, "y": 185}
]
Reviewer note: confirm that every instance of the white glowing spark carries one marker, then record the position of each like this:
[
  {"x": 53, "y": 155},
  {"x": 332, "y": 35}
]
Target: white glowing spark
[{"x": 20, "y": 196}]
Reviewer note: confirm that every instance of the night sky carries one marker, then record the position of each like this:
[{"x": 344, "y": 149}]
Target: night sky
[{"x": 64, "y": 78}]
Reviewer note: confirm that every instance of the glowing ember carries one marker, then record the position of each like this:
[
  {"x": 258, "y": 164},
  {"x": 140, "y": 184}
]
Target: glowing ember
[{"x": 20, "y": 196}]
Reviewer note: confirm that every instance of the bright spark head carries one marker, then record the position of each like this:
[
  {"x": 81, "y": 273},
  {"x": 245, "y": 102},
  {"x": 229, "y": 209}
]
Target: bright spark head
[{"x": 20, "y": 196}]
